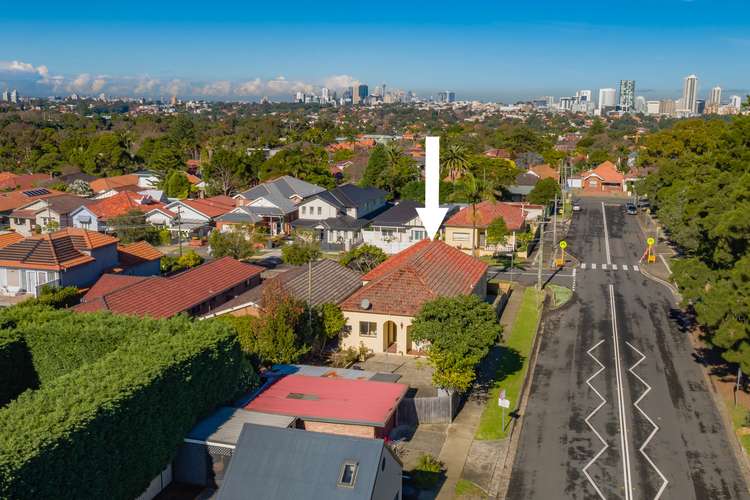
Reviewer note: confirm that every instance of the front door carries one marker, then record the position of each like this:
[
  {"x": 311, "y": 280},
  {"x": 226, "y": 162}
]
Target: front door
[{"x": 389, "y": 336}]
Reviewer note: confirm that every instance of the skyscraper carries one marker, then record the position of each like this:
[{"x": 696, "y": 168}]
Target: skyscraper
[
  {"x": 735, "y": 101},
  {"x": 324, "y": 95},
  {"x": 606, "y": 99},
  {"x": 690, "y": 94},
  {"x": 6, "y": 96},
  {"x": 715, "y": 98},
  {"x": 362, "y": 93},
  {"x": 640, "y": 104},
  {"x": 627, "y": 95}
]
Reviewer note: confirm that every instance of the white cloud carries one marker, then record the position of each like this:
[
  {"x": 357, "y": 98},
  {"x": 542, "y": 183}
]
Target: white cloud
[
  {"x": 250, "y": 87},
  {"x": 80, "y": 83},
  {"x": 146, "y": 85},
  {"x": 214, "y": 89},
  {"x": 19, "y": 67},
  {"x": 175, "y": 87},
  {"x": 99, "y": 83},
  {"x": 340, "y": 82}
]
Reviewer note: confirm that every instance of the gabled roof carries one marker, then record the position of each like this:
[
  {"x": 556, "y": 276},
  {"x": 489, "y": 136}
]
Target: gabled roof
[
  {"x": 165, "y": 297},
  {"x": 340, "y": 223},
  {"x": 62, "y": 204},
  {"x": 9, "y": 180},
  {"x": 54, "y": 251},
  {"x": 242, "y": 215},
  {"x": 121, "y": 204},
  {"x": 137, "y": 253},
  {"x": 339, "y": 400},
  {"x": 351, "y": 195},
  {"x": 398, "y": 215},
  {"x": 20, "y": 197},
  {"x": 210, "y": 207},
  {"x": 115, "y": 182},
  {"x": 607, "y": 172},
  {"x": 486, "y": 212},
  {"x": 545, "y": 172},
  {"x": 290, "y": 464},
  {"x": 423, "y": 272},
  {"x": 8, "y": 238},
  {"x": 285, "y": 187},
  {"x": 110, "y": 282},
  {"x": 331, "y": 283},
  {"x": 526, "y": 179}
]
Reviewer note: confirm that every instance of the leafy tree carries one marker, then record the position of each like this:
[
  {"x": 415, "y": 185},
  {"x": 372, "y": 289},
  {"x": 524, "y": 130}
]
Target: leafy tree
[
  {"x": 455, "y": 161},
  {"x": 131, "y": 227},
  {"x": 80, "y": 187},
  {"x": 459, "y": 332},
  {"x": 497, "y": 231},
  {"x": 172, "y": 264},
  {"x": 106, "y": 154},
  {"x": 304, "y": 161},
  {"x": 544, "y": 192},
  {"x": 301, "y": 251},
  {"x": 164, "y": 161},
  {"x": 230, "y": 170},
  {"x": 472, "y": 190},
  {"x": 363, "y": 258},
  {"x": 377, "y": 164},
  {"x": 343, "y": 154},
  {"x": 331, "y": 323},
  {"x": 234, "y": 243},
  {"x": 176, "y": 185}
]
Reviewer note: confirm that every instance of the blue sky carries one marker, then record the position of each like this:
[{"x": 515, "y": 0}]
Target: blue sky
[{"x": 484, "y": 49}]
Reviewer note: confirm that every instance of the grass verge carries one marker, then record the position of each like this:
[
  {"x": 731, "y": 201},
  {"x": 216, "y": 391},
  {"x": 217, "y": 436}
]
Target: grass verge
[
  {"x": 467, "y": 489},
  {"x": 740, "y": 421},
  {"x": 514, "y": 363},
  {"x": 560, "y": 294}
]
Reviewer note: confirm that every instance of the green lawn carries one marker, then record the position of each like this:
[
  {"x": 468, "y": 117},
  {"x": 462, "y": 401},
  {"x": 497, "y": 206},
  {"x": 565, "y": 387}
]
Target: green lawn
[
  {"x": 516, "y": 347},
  {"x": 465, "y": 488},
  {"x": 740, "y": 418},
  {"x": 560, "y": 294}
]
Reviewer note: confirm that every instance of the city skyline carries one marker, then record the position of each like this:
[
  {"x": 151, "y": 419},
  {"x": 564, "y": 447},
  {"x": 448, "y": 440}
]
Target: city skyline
[{"x": 486, "y": 52}]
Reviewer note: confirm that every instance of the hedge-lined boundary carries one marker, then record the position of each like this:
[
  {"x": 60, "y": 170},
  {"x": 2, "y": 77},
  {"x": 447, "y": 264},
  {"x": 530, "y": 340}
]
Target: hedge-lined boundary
[
  {"x": 16, "y": 369},
  {"x": 105, "y": 430}
]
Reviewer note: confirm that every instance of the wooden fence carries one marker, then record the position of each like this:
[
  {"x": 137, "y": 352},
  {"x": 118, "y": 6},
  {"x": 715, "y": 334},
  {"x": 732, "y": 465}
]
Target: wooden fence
[{"x": 440, "y": 409}]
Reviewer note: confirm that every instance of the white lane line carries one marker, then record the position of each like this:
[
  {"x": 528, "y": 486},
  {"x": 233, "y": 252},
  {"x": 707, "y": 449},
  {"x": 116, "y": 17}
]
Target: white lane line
[
  {"x": 624, "y": 267},
  {"x": 661, "y": 256},
  {"x": 587, "y": 420},
  {"x": 606, "y": 235},
  {"x": 656, "y": 427},
  {"x": 593, "y": 266},
  {"x": 624, "y": 444},
  {"x": 574, "y": 280}
]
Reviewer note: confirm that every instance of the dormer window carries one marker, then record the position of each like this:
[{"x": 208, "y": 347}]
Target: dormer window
[{"x": 348, "y": 474}]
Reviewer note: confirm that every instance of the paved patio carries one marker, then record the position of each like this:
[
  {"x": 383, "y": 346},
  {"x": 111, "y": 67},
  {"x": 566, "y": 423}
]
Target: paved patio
[{"x": 415, "y": 372}]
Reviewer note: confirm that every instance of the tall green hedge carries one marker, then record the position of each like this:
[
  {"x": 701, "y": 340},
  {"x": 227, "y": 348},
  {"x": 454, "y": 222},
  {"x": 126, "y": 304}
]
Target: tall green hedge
[
  {"x": 107, "y": 429},
  {"x": 16, "y": 369}
]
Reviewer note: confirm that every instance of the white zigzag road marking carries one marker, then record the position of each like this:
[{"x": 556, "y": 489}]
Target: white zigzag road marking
[
  {"x": 602, "y": 403},
  {"x": 656, "y": 427}
]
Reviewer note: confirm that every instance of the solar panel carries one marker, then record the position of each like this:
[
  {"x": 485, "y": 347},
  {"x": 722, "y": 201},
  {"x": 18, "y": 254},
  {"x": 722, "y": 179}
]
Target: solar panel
[{"x": 36, "y": 192}]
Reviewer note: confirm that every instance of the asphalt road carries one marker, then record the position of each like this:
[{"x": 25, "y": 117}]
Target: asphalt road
[{"x": 618, "y": 406}]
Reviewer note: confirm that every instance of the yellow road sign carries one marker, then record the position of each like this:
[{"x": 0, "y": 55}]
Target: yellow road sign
[
  {"x": 563, "y": 244},
  {"x": 650, "y": 241}
]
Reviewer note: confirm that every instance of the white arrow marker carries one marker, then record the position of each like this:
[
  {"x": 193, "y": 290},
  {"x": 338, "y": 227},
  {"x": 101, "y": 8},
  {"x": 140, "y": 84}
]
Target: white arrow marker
[{"x": 432, "y": 215}]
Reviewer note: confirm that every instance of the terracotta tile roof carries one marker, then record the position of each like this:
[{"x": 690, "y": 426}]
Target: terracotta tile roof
[
  {"x": 607, "y": 171},
  {"x": 8, "y": 238},
  {"x": 212, "y": 207},
  {"x": 118, "y": 181},
  {"x": 498, "y": 153},
  {"x": 108, "y": 283},
  {"x": 486, "y": 212},
  {"x": 545, "y": 172},
  {"x": 193, "y": 179},
  {"x": 20, "y": 197},
  {"x": 422, "y": 272},
  {"x": 137, "y": 253},
  {"x": 121, "y": 204},
  {"x": 54, "y": 251},
  {"x": 165, "y": 297},
  {"x": 9, "y": 180}
]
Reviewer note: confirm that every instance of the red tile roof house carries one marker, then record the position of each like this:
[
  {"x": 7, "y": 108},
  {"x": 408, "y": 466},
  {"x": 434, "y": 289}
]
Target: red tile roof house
[
  {"x": 604, "y": 179},
  {"x": 380, "y": 313},
  {"x": 195, "y": 292},
  {"x": 458, "y": 229},
  {"x": 362, "y": 408},
  {"x": 96, "y": 216},
  {"x": 70, "y": 257},
  {"x": 12, "y": 200},
  {"x": 191, "y": 216}
]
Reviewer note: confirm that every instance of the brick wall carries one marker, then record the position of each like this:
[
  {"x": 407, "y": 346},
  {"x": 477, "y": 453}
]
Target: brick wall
[{"x": 341, "y": 429}]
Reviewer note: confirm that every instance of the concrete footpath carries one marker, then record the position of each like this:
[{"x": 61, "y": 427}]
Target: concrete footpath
[{"x": 461, "y": 454}]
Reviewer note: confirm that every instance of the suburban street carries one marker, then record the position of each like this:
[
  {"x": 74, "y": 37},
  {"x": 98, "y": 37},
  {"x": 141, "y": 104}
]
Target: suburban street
[{"x": 618, "y": 405}]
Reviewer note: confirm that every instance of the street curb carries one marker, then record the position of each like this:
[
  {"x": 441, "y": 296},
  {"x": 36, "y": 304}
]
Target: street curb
[
  {"x": 510, "y": 455},
  {"x": 656, "y": 279}
]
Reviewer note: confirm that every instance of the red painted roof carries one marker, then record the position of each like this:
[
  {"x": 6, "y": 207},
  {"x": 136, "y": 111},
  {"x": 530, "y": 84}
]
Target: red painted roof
[
  {"x": 425, "y": 271},
  {"x": 115, "y": 182},
  {"x": 62, "y": 249},
  {"x": 545, "y": 172},
  {"x": 486, "y": 212},
  {"x": 165, "y": 297},
  {"x": 121, "y": 204},
  {"x": 338, "y": 400},
  {"x": 109, "y": 283},
  {"x": 137, "y": 253},
  {"x": 9, "y": 180}
]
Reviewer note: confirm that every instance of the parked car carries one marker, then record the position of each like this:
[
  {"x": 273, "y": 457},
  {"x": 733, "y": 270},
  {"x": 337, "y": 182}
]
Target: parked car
[
  {"x": 631, "y": 209},
  {"x": 577, "y": 206}
]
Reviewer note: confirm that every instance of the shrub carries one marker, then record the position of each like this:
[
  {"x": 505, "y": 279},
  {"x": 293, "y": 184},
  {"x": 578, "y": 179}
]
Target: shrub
[
  {"x": 427, "y": 472},
  {"x": 54, "y": 297},
  {"x": 16, "y": 370},
  {"x": 104, "y": 431}
]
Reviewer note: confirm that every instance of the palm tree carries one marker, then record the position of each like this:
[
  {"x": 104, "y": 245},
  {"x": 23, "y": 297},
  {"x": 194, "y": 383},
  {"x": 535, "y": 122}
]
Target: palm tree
[
  {"x": 473, "y": 190},
  {"x": 456, "y": 160}
]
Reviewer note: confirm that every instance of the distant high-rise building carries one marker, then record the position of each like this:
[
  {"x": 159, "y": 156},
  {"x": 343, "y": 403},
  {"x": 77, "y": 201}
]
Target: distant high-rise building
[
  {"x": 690, "y": 94},
  {"x": 700, "y": 106},
  {"x": 735, "y": 101},
  {"x": 6, "y": 96},
  {"x": 382, "y": 90},
  {"x": 627, "y": 95},
  {"x": 667, "y": 107},
  {"x": 299, "y": 97},
  {"x": 451, "y": 96},
  {"x": 607, "y": 99},
  {"x": 14, "y": 96},
  {"x": 583, "y": 96},
  {"x": 362, "y": 93},
  {"x": 324, "y": 94},
  {"x": 652, "y": 107},
  {"x": 715, "y": 97}
]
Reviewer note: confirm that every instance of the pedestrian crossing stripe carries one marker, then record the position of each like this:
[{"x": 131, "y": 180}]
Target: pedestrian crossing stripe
[
  {"x": 609, "y": 267},
  {"x": 635, "y": 268},
  {"x": 604, "y": 266},
  {"x": 614, "y": 267},
  {"x": 583, "y": 266},
  {"x": 593, "y": 266},
  {"x": 624, "y": 267}
]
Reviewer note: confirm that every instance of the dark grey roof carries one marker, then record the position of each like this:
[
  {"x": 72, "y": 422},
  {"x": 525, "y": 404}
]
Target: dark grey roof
[
  {"x": 341, "y": 223},
  {"x": 66, "y": 203},
  {"x": 398, "y": 215},
  {"x": 279, "y": 191},
  {"x": 281, "y": 464},
  {"x": 526, "y": 179},
  {"x": 225, "y": 424},
  {"x": 240, "y": 217},
  {"x": 331, "y": 282},
  {"x": 351, "y": 195}
]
